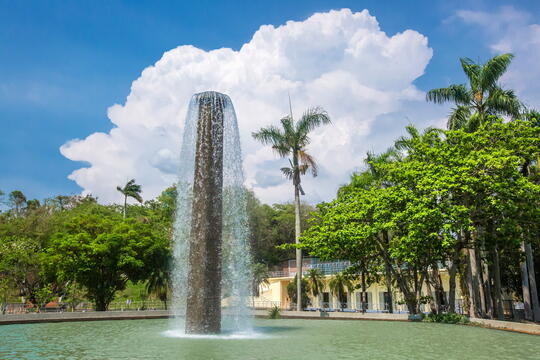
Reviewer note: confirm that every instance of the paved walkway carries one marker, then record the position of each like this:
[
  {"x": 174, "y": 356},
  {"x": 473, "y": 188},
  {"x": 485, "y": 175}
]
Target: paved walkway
[
  {"x": 81, "y": 316},
  {"x": 527, "y": 328}
]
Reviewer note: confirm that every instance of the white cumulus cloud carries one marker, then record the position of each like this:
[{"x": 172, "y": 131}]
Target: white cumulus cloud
[{"x": 339, "y": 60}]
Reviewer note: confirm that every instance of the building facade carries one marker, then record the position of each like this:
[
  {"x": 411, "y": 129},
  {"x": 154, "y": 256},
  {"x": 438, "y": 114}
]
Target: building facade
[{"x": 274, "y": 293}]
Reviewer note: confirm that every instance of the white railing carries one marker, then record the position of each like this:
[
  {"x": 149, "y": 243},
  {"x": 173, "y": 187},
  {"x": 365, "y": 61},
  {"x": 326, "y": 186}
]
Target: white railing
[{"x": 327, "y": 268}]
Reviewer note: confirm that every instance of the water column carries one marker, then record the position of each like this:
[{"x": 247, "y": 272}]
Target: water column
[
  {"x": 211, "y": 232},
  {"x": 203, "y": 303}
]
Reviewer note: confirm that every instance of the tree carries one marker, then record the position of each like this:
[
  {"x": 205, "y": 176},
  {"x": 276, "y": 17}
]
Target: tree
[
  {"x": 132, "y": 190},
  {"x": 23, "y": 239},
  {"x": 315, "y": 279},
  {"x": 272, "y": 226},
  {"x": 339, "y": 285},
  {"x": 101, "y": 253},
  {"x": 451, "y": 192},
  {"x": 159, "y": 284},
  {"x": 17, "y": 201},
  {"x": 482, "y": 97},
  {"x": 291, "y": 141},
  {"x": 260, "y": 275},
  {"x": 292, "y": 291}
]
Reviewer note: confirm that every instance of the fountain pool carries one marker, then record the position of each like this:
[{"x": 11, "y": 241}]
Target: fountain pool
[{"x": 270, "y": 339}]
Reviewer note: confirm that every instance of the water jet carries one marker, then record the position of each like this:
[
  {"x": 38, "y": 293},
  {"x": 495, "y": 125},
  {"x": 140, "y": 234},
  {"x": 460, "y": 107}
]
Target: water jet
[{"x": 211, "y": 251}]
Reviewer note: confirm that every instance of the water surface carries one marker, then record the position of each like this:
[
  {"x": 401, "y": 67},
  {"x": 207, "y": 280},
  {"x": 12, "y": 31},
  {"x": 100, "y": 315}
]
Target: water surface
[{"x": 273, "y": 339}]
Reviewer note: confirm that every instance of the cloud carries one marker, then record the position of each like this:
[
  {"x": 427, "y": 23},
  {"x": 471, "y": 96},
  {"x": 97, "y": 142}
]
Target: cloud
[
  {"x": 512, "y": 30},
  {"x": 339, "y": 60}
]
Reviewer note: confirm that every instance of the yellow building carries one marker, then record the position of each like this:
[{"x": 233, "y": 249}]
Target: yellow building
[{"x": 275, "y": 292}]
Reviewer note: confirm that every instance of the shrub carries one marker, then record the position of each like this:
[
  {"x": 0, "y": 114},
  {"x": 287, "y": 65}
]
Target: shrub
[
  {"x": 274, "y": 312},
  {"x": 449, "y": 318}
]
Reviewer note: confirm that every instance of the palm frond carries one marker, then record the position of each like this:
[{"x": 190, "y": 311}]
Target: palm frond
[
  {"x": 474, "y": 122},
  {"x": 458, "y": 118},
  {"x": 137, "y": 197},
  {"x": 473, "y": 72},
  {"x": 504, "y": 102},
  {"x": 288, "y": 172},
  {"x": 303, "y": 168},
  {"x": 309, "y": 161},
  {"x": 403, "y": 142},
  {"x": 270, "y": 135},
  {"x": 455, "y": 93},
  {"x": 532, "y": 115},
  {"x": 311, "y": 119},
  {"x": 288, "y": 127},
  {"x": 493, "y": 69}
]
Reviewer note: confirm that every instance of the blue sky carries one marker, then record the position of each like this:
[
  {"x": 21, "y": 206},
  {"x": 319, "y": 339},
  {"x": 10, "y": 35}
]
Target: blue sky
[{"x": 63, "y": 63}]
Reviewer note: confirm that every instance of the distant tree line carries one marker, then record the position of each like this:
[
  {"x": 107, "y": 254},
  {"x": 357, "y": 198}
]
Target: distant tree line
[{"x": 75, "y": 248}]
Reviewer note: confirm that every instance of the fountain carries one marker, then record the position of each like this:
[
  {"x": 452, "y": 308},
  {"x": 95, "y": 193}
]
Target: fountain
[{"x": 211, "y": 252}]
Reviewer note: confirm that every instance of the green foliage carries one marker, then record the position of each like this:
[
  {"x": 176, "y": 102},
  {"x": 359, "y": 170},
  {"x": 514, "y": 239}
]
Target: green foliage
[
  {"x": 43, "y": 296},
  {"x": 449, "y": 318},
  {"x": 260, "y": 275},
  {"x": 274, "y": 312},
  {"x": 291, "y": 292},
  {"x": 272, "y": 226},
  {"x": 101, "y": 252},
  {"x": 340, "y": 284},
  {"x": 315, "y": 279},
  {"x": 408, "y": 210}
]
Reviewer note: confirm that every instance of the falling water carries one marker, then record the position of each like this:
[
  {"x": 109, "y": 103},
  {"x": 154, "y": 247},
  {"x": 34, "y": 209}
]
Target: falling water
[{"x": 233, "y": 251}]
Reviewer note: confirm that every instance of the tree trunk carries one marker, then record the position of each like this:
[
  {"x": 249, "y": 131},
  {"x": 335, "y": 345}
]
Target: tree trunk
[
  {"x": 418, "y": 289},
  {"x": 487, "y": 293},
  {"x": 497, "y": 281},
  {"x": 297, "y": 232},
  {"x": 125, "y": 205},
  {"x": 532, "y": 283},
  {"x": 388, "y": 275},
  {"x": 525, "y": 286},
  {"x": 452, "y": 271},
  {"x": 472, "y": 285},
  {"x": 452, "y": 275},
  {"x": 433, "y": 304},
  {"x": 477, "y": 277},
  {"x": 363, "y": 295}
]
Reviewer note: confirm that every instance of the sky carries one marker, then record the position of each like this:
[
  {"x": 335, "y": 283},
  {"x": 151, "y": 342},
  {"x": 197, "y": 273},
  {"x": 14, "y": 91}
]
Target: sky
[{"x": 95, "y": 93}]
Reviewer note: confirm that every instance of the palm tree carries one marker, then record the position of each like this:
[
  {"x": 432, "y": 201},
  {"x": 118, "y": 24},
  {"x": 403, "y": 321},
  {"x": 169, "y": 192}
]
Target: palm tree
[
  {"x": 260, "y": 277},
  {"x": 315, "y": 279},
  {"x": 130, "y": 190},
  {"x": 158, "y": 284},
  {"x": 482, "y": 97},
  {"x": 340, "y": 284},
  {"x": 290, "y": 141}
]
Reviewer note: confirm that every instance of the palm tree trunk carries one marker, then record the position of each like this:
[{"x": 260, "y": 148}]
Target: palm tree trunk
[
  {"x": 532, "y": 283},
  {"x": 297, "y": 231},
  {"x": 125, "y": 205}
]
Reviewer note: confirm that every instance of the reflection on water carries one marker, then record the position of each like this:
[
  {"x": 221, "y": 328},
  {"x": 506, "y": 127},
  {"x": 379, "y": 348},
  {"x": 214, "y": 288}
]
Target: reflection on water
[{"x": 272, "y": 339}]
